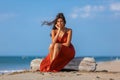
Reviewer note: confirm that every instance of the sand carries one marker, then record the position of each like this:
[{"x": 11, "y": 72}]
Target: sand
[{"x": 104, "y": 71}]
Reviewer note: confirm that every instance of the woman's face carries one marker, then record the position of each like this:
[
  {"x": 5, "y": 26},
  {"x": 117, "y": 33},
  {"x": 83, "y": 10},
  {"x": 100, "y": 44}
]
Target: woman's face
[{"x": 60, "y": 23}]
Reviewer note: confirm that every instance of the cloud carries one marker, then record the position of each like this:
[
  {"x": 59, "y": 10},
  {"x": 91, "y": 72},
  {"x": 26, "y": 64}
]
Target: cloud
[
  {"x": 85, "y": 15},
  {"x": 74, "y": 15},
  {"x": 115, "y": 6},
  {"x": 6, "y": 16},
  {"x": 115, "y": 9},
  {"x": 86, "y": 11}
]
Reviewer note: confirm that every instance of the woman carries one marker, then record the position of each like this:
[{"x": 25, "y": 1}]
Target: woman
[{"x": 61, "y": 51}]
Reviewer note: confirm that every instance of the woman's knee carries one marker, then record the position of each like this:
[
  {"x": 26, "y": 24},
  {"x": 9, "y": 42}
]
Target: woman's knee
[
  {"x": 57, "y": 46},
  {"x": 51, "y": 46}
]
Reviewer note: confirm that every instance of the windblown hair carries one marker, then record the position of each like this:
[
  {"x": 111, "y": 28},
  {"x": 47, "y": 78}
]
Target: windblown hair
[{"x": 59, "y": 15}]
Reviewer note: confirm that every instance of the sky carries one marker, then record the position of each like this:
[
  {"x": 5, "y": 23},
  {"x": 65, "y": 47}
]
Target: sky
[{"x": 95, "y": 25}]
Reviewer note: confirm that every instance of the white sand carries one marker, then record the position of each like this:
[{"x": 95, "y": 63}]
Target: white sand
[{"x": 110, "y": 66}]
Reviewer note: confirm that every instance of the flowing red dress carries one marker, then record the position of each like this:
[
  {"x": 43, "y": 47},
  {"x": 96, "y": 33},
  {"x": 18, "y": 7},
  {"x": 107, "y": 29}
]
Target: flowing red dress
[{"x": 65, "y": 55}]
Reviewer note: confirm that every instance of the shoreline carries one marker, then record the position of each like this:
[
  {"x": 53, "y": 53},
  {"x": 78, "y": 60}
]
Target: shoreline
[
  {"x": 108, "y": 70},
  {"x": 99, "y": 64}
]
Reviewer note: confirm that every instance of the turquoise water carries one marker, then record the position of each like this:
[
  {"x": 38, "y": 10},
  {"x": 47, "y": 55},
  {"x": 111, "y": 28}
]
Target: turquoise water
[{"x": 19, "y": 63}]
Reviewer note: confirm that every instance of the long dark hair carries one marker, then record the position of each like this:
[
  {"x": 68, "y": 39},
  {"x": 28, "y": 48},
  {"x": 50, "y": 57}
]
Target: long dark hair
[{"x": 59, "y": 15}]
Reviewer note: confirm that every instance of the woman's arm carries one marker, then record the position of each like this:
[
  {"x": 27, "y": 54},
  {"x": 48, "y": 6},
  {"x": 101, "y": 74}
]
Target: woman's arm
[
  {"x": 55, "y": 36},
  {"x": 69, "y": 31}
]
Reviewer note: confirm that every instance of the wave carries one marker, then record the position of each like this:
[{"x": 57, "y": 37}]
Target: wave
[{"x": 9, "y": 71}]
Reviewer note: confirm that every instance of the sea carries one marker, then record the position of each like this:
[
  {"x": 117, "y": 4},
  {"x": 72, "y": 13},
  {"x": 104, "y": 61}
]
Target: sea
[{"x": 9, "y": 64}]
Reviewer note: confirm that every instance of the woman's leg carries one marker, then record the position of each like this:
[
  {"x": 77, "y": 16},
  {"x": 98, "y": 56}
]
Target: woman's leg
[
  {"x": 51, "y": 50},
  {"x": 57, "y": 48}
]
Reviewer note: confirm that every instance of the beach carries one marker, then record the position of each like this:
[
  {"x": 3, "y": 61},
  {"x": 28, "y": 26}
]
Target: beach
[
  {"x": 109, "y": 70},
  {"x": 73, "y": 75}
]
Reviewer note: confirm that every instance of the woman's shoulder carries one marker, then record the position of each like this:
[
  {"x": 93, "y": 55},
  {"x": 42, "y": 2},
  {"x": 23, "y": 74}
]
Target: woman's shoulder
[
  {"x": 53, "y": 31},
  {"x": 68, "y": 29}
]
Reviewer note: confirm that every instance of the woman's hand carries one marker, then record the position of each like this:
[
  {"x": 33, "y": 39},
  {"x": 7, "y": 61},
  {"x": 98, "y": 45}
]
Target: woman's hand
[
  {"x": 57, "y": 27},
  {"x": 55, "y": 35}
]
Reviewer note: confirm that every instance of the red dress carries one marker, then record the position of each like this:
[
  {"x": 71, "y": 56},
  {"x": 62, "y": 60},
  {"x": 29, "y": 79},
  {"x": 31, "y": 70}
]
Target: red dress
[{"x": 64, "y": 56}]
